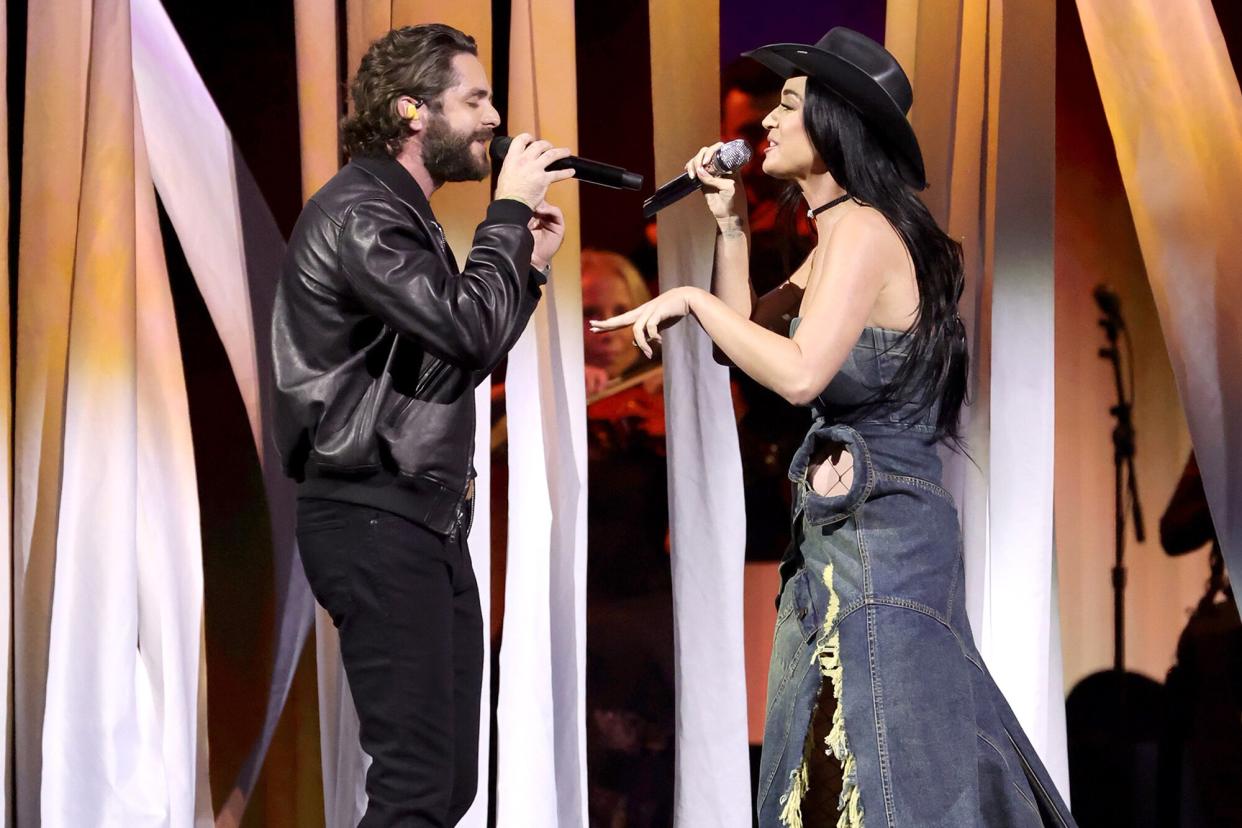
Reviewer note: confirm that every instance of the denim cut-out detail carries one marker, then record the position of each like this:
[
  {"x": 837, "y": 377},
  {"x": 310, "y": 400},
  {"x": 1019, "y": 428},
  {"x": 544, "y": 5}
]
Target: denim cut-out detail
[{"x": 820, "y": 509}]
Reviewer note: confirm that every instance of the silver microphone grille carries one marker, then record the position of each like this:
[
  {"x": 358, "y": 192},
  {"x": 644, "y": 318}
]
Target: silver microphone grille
[{"x": 732, "y": 155}]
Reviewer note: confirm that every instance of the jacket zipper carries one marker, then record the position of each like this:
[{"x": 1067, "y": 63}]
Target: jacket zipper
[
  {"x": 442, "y": 240},
  {"x": 468, "y": 495}
]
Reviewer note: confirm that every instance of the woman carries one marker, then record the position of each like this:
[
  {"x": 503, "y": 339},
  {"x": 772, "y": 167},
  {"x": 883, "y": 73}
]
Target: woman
[
  {"x": 628, "y": 520},
  {"x": 873, "y": 588},
  {"x": 611, "y": 285}
]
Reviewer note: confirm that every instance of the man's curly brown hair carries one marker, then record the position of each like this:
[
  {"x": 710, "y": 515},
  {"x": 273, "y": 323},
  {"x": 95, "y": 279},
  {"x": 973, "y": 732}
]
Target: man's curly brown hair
[{"x": 414, "y": 60}]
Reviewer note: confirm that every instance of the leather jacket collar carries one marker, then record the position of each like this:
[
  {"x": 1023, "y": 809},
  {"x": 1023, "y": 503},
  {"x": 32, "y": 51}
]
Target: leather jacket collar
[{"x": 398, "y": 179}]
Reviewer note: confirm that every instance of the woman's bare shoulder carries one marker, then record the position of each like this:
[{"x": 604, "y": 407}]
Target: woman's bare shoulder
[{"x": 864, "y": 226}]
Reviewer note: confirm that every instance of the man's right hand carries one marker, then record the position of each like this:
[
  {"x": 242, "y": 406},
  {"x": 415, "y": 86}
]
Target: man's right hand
[{"x": 524, "y": 174}]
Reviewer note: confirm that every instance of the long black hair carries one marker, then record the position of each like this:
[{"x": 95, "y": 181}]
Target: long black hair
[{"x": 935, "y": 370}]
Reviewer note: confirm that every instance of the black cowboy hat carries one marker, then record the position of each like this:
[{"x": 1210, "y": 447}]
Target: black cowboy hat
[{"x": 867, "y": 77}]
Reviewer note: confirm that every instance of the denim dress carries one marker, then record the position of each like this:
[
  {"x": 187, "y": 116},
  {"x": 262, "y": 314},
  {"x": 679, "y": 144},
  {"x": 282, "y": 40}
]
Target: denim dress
[{"x": 872, "y": 609}]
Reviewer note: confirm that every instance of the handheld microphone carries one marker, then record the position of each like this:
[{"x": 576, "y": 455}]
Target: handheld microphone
[
  {"x": 728, "y": 158},
  {"x": 592, "y": 172}
]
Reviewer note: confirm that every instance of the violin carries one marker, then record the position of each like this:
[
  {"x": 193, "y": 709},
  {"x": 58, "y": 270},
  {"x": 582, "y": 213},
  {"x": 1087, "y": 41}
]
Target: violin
[{"x": 630, "y": 407}]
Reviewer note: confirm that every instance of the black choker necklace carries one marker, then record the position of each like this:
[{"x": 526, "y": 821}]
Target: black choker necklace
[{"x": 811, "y": 214}]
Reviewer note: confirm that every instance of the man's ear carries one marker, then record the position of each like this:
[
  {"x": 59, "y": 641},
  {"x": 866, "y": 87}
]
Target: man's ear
[{"x": 408, "y": 110}]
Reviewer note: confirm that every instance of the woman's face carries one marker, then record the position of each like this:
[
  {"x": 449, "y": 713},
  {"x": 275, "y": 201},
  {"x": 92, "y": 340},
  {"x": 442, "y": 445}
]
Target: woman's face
[
  {"x": 604, "y": 295},
  {"x": 789, "y": 154}
]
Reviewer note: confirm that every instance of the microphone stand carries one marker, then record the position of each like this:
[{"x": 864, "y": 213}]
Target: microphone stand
[{"x": 1124, "y": 477}]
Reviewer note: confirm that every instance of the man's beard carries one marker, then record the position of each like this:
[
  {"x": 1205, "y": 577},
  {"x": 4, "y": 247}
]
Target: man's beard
[{"x": 449, "y": 156}]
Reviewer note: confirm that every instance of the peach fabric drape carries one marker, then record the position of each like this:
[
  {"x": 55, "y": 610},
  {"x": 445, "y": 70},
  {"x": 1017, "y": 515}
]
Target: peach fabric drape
[
  {"x": 108, "y": 586},
  {"x": 51, "y": 187},
  {"x": 1175, "y": 113},
  {"x": 1097, "y": 243},
  {"x": 6, "y": 458},
  {"x": 319, "y": 90}
]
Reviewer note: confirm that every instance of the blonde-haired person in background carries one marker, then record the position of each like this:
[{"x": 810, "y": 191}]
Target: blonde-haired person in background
[{"x": 610, "y": 285}]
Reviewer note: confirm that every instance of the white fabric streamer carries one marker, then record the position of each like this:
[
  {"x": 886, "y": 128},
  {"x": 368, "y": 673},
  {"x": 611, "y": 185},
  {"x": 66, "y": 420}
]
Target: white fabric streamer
[
  {"x": 541, "y": 729},
  {"x": 542, "y": 707},
  {"x": 234, "y": 250},
  {"x": 984, "y": 117},
  {"x": 707, "y": 519}
]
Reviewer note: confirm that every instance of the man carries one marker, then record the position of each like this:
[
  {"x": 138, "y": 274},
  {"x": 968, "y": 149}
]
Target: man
[{"x": 379, "y": 341}]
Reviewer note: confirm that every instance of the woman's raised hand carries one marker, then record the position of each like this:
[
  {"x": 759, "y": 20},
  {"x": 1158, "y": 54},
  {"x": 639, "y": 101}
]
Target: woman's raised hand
[
  {"x": 647, "y": 320},
  {"x": 725, "y": 197}
]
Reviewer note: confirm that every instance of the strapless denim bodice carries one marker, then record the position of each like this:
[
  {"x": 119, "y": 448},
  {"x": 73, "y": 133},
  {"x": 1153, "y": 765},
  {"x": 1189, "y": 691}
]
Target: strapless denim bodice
[{"x": 902, "y": 439}]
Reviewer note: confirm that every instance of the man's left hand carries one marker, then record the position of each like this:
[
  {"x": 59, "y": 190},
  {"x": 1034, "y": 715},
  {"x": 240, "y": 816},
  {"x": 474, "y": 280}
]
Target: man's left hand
[{"x": 548, "y": 227}]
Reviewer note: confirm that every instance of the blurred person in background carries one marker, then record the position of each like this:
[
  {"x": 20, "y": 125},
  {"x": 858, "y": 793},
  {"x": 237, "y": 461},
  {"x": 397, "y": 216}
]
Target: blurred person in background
[
  {"x": 1202, "y": 758},
  {"x": 630, "y": 694}
]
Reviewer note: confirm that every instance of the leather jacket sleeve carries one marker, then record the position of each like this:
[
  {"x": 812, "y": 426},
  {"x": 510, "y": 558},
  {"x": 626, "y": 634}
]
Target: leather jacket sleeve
[
  {"x": 468, "y": 319},
  {"x": 529, "y": 302}
]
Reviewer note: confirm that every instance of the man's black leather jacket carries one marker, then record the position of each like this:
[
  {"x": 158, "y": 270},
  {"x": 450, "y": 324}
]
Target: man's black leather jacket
[{"x": 379, "y": 341}]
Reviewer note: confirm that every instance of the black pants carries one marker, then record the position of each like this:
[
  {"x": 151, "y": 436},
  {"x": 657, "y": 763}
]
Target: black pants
[{"x": 407, "y": 607}]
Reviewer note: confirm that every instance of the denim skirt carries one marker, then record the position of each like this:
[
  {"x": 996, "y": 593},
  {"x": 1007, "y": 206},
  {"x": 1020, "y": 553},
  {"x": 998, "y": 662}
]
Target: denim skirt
[{"x": 872, "y": 610}]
